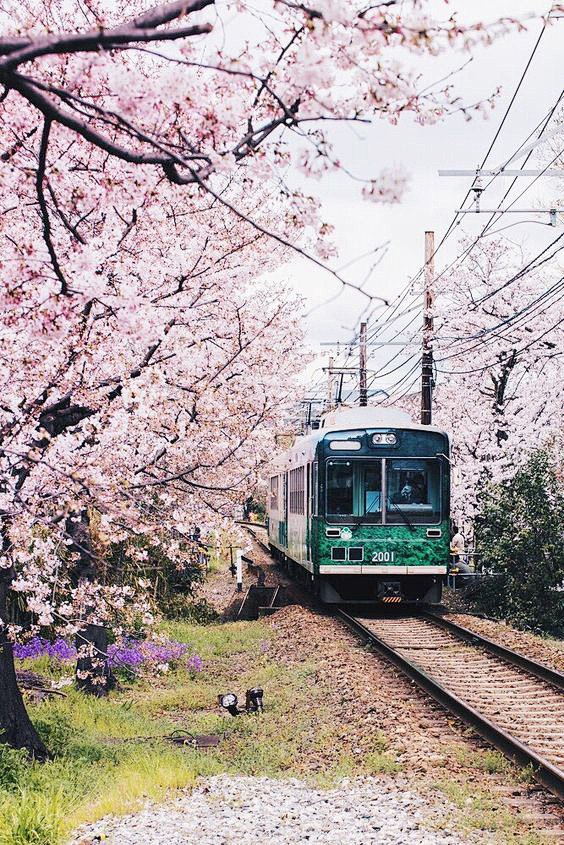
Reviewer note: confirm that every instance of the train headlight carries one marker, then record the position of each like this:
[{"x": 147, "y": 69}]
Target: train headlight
[
  {"x": 383, "y": 439},
  {"x": 228, "y": 702}
]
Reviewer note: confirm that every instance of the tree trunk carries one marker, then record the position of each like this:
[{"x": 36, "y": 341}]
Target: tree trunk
[
  {"x": 93, "y": 674},
  {"x": 16, "y": 728}
]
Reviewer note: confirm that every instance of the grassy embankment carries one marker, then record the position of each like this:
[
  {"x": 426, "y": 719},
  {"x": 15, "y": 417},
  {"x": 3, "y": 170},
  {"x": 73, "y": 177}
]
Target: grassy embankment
[{"x": 100, "y": 768}]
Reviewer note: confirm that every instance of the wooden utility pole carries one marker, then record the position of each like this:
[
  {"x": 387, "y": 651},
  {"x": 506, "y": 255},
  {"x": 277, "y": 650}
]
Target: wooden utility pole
[
  {"x": 427, "y": 354},
  {"x": 329, "y": 402},
  {"x": 363, "y": 395}
]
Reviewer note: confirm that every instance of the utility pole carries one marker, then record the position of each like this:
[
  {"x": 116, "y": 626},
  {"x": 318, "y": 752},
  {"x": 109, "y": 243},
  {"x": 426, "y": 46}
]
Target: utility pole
[
  {"x": 362, "y": 366},
  {"x": 427, "y": 354},
  {"x": 329, "y": 402},
  {"x": 340, "y": 390}
]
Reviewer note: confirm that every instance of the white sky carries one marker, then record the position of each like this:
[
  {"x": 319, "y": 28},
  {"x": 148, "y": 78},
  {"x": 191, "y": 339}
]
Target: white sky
[{"x": 451, "y": 144}]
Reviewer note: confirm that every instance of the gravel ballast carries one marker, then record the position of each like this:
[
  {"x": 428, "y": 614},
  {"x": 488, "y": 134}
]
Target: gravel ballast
[{"x": 240, "y": 810}]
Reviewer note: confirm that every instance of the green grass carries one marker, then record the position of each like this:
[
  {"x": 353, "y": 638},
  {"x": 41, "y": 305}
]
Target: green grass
[
  {"x": 492, "y": 762},
  {"x": 476, "y": 809},
  {"x": 101, "y": 766}
]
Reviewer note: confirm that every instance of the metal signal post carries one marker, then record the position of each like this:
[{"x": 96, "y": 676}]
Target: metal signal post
[{"x": 427, "y": 355}]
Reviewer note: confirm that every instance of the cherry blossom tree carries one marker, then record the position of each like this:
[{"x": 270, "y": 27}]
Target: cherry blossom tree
[
  {"x": 143, "y": 183},
  {"x": 159, "y": 403},
  {"x": 499, "y": 362}
]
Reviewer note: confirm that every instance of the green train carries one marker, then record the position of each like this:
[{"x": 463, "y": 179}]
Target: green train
[{"x": 359, "y": 509}]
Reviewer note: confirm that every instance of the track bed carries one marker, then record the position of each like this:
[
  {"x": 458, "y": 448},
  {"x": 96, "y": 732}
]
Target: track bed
[{"x": 504, "y": 697}]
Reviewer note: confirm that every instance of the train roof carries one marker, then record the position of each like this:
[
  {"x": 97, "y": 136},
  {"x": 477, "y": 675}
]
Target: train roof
[{"x": 348, "y": 419}]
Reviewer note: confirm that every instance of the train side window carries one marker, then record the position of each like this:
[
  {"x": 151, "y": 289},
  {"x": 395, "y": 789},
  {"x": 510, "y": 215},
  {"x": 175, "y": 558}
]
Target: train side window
[
  {"x": 297, "y": 492},
  {"x": 274, "y": 493}
]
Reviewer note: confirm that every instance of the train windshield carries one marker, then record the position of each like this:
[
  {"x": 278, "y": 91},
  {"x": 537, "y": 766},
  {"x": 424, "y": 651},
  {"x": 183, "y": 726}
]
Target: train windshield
[
  {"x": 413, "y": 490},
  {"x": 354, "y": 489}
]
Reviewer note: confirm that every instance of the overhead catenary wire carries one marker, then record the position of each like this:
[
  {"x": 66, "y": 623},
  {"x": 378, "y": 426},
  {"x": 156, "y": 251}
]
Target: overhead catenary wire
[
  {"x": 499, "y": 128},
  {"x": 388, "y": 316},
  {"x": 543, "y": 123},
  {"x": 517, "y": 352},
  {"x": 501, "y": 337},
  {"x": 516, "y": 317}
]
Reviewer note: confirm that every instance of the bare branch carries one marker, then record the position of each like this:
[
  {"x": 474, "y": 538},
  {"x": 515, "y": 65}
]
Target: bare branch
[
  {"x": 43, "y": 206},
  {"x": 141, "y": 29}
]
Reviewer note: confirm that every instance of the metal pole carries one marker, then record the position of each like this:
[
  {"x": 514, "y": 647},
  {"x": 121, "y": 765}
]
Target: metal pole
[
  {"x": 340, "y": 390},
  {"x": 239, "y": 568},
  {"x": 427, "y": 353},
  {"x": 330, "y": 384},
  {"x": 363, "y": 394}
]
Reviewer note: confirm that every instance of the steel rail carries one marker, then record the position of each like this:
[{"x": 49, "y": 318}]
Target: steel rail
[
  {"x": 261, "y": 543},
  {"x": 539, "y": 670},
  {"x": 546, "y": 773}
]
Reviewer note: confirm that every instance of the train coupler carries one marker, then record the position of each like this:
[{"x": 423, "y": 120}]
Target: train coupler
[{"x": 390, "y": 592}]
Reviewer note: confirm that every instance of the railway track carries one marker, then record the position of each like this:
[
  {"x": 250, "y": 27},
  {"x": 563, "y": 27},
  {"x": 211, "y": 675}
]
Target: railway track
[{"x": 515, "y": 703}]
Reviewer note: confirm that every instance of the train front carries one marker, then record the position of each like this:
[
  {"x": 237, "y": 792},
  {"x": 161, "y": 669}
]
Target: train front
[{"x": 382, "y": 527}]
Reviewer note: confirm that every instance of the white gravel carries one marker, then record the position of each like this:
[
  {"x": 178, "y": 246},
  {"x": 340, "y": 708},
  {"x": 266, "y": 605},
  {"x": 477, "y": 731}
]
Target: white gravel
[{"x": 239, "y": 810}]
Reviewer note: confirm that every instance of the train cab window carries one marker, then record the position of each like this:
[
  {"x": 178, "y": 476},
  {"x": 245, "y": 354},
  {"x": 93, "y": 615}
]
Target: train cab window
[
  {"x": 354, "y": 490},
  {"x": 340, "y": 488},
  {"x": 371, "y": 488},
  {"x": 413, "y": 491}
]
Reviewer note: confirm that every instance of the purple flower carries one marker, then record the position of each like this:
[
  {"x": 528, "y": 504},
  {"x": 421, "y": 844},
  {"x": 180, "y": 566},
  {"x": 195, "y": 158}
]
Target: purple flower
[
  {"x": 195, "y": 663},
  {"x": 125, "y": 653},
  {"x": 40, "y": 647}
]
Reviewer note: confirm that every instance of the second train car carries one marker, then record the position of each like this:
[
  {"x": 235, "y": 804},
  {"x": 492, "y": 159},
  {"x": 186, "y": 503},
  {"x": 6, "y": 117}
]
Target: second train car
[{"x": 359, "y": 508}]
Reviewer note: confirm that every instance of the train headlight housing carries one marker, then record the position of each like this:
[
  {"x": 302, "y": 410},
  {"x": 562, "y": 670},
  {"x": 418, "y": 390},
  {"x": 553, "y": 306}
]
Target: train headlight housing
[
  {"x": 382, "y": 439},
  {"x": 228, "y": 702}
]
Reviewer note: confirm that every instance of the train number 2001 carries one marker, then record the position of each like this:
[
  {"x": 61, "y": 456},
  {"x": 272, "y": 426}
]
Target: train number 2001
[{"x": 383, "y": 557}]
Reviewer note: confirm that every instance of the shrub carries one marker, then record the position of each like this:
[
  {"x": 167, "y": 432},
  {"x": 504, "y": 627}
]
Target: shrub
[
  {"x": 519, "y": 537},
  {"x": 199, "y": 612}
]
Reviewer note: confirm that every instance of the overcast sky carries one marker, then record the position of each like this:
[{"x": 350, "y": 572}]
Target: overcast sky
[{"x": 431, "y": 200}]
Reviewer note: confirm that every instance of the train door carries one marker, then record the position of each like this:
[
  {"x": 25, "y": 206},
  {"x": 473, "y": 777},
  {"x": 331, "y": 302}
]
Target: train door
[
  {"x": 283, "y": 525},
  {"x": 307, "y": 504}
]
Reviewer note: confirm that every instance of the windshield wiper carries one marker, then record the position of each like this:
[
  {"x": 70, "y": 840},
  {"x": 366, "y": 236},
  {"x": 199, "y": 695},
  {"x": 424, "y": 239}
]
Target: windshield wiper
[
  {"x": 358, "y": 520},
  {"x": 403, "y": 516}
]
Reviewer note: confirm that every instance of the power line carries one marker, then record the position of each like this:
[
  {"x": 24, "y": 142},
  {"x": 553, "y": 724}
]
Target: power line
[{"x": 517, "y": 352}]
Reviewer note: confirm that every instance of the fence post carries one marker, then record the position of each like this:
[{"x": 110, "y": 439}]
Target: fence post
[{"x": 239, "y": 571}]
